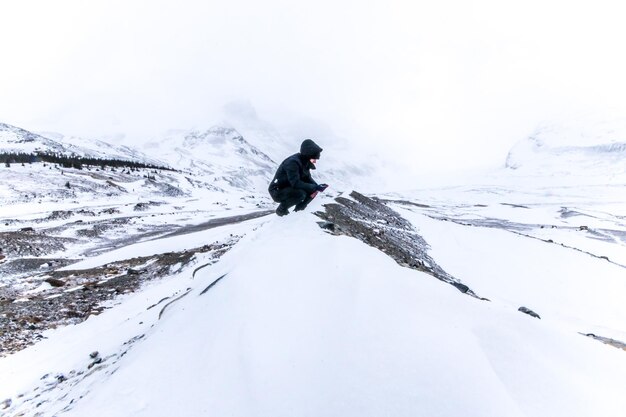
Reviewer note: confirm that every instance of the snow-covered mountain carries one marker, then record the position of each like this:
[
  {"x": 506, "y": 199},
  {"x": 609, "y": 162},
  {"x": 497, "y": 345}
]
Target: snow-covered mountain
[
  {"x": 572, "y": 148},
  {"x": 219, "y": 153},
  {"x": 17, "y": 140},
  {"x": 249, "y": 160}
]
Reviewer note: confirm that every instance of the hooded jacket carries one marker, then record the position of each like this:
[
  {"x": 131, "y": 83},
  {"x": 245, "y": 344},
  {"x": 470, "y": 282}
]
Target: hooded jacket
[{"x": 295, "y": 170}]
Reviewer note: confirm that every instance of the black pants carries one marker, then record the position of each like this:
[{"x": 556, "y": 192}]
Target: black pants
[{"x": 290, "y": 196}]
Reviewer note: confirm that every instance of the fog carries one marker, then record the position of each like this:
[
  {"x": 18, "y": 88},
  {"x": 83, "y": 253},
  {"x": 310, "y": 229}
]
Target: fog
[{"x": 440, "y": 86}]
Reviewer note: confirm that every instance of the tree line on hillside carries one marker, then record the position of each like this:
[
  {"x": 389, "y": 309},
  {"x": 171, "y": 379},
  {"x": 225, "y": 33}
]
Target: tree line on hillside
[{"x": 72, "y": 161}]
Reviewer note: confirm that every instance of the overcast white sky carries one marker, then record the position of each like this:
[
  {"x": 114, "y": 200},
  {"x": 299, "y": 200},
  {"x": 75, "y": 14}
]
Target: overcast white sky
[{"x": 452, "y": 83}]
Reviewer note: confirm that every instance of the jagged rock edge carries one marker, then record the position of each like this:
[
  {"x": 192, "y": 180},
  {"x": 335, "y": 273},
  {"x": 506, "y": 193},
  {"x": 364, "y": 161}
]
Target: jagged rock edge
[{"x": 347, "y": 215}]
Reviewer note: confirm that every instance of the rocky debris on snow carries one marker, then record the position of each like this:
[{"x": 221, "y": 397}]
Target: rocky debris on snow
[
  {"x": 55, "y": 282},
  {"x": 27, "y": 242},
  {"x": 528, "y": 311},
  {"x": 72, "y": 296},
  {"x": 145, "y": 206},
  {"x": 59, "y": 215},
  {"x": 18, "y": 270},
  {"x": 606, "y": 340},
  {"x": 110, "y": 210},
  {"x": 371, "y": 221}
]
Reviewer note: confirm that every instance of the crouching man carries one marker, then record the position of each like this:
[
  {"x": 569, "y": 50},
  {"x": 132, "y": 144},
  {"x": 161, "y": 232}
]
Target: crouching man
[{"x": 292, "y": 185}]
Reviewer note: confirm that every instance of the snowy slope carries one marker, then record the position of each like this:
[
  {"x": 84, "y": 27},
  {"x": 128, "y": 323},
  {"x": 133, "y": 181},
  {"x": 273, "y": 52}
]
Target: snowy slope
[
  {"x": 15, "y": 139},
  {"x": 352, "y": 334},
  {"x": 572, "y": 148},
  {"x": 100, "y": 149}
]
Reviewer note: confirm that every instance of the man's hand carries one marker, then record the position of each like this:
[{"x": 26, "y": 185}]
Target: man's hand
[{"x": 322, "y": 187}]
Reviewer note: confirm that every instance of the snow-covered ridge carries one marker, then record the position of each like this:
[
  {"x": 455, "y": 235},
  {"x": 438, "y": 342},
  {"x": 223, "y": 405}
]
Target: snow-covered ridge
[{"x": 17, "y": 140}]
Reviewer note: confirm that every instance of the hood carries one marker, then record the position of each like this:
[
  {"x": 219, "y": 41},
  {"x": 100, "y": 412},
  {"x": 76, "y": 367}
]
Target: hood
[{"x": 310, "y": 149}]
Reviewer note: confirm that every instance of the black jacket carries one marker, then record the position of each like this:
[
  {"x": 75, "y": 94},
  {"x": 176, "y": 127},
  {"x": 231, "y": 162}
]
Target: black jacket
[{"x": 295, "y": 171}]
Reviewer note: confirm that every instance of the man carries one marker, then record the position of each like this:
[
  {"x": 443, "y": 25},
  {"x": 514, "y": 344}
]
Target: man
[{"x": 292, "y": 184}]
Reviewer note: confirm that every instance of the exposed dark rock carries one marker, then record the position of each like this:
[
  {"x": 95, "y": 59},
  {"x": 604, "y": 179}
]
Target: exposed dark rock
[
  {"x": 55, "y": 282},
  {"x": 327, "y": 226},
  {"x": 372, "y": 222},
  {"x": 147, "y": 205},
  {"x": 514, "y": 205},
  {"x": 606, "y": 340},
  {"x": 141, "y": 206},
  {"x": 94, "y": 363},
  {"x": 529, "y": 312}
]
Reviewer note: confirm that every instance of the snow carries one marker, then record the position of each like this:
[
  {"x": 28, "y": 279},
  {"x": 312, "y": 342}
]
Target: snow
[
  {"x": 293, "y": 321},
  {"x": 558, "y": 283},
  {"x": 306, "y": 323},
  {"x": 176, "y": 244}
]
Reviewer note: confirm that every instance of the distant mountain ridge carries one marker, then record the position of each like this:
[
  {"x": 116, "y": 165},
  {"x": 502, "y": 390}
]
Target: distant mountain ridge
[
  {"x": 17, "y": 140},
  {"x": 572, "y": 149},
  {"x": 221, "y": 153}
]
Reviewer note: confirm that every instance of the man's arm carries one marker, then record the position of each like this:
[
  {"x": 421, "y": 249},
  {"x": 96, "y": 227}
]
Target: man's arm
[{"x": 293, "y": 175}]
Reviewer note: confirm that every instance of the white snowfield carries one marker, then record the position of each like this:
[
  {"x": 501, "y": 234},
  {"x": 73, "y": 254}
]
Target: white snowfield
[{"x": 304, "y": 323}]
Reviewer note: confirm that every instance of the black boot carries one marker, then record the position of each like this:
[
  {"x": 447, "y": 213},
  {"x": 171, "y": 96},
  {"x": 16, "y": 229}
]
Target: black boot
[
  {"x": 281, "y": 210},
  {"x": 302, "y": 205}
]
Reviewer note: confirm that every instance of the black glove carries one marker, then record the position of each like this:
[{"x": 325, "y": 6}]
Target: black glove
[{"x": 321, "y": 187}]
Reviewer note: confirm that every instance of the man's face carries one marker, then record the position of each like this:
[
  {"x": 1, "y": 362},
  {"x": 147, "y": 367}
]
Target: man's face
[{"x": 313, "y": 161}]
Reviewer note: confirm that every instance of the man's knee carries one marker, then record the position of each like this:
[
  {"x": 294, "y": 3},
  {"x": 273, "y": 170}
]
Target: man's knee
[{"x": 301, "y": 195}]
